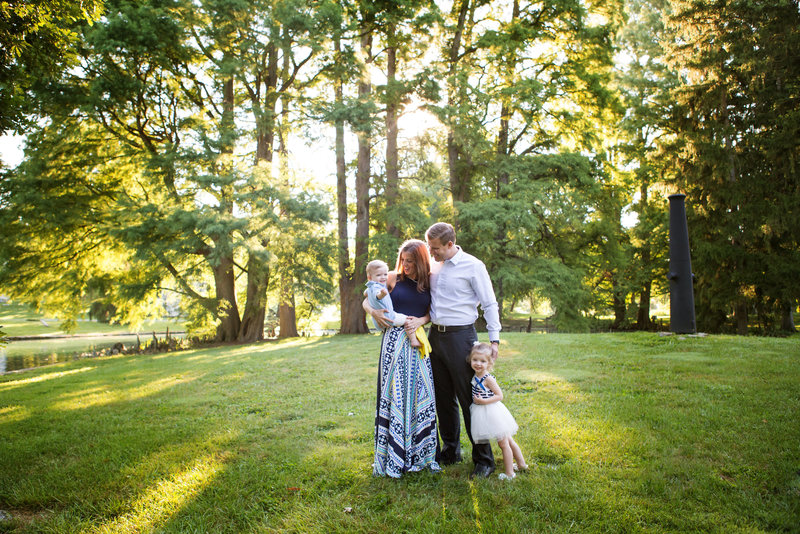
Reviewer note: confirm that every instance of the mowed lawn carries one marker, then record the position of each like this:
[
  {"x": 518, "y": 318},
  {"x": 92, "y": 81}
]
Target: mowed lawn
[{"x": 622, "y": 432}]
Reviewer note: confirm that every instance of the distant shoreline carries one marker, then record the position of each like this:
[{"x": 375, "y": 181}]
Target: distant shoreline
[{"x": 73, "y": 336}]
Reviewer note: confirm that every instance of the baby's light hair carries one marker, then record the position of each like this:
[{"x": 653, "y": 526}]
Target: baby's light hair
[
  {"x": 481, "y": 348},
  {"x": 374, "y": 265}
]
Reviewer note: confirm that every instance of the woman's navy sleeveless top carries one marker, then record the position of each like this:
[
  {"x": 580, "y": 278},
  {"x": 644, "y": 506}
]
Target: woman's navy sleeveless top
[{"x": 406, "y": 299}]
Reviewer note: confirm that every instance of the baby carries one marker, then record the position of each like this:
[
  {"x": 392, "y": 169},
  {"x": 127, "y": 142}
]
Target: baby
[{"x": 378, "y": 296}]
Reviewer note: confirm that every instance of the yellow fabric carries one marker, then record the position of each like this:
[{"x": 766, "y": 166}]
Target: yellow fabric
[{"x": 425, "y": 347}]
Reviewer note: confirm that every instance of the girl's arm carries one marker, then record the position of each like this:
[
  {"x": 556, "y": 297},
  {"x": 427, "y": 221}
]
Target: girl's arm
[{"x": 490, "y": 383}]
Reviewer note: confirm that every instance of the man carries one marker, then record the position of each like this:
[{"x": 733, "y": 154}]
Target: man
[{"x": 459, "y": 282}]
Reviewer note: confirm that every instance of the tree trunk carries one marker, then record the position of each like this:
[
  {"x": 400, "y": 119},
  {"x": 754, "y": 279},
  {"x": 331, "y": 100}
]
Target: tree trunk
[
  {"x": 503, "y": 149},
  {"x": 255, "y": 311},
  {"x": 350, "y": 310},
  {"x": 459, "y": 162},
  {"x": 740, "y": 313},
  {"x": 224, "y": 279},
  {"x": 458, "y": 171},
  {"x": 353, "y": 317},
  {"x": 286, "y": 312},
  {"x": 643, "y": 321},
  {"x": 643, "y": 313},
  {"x": 392, "y": 105},
  {"x": 252, "y": 327},
  {"x": 787, "y": 316},
  {"x": 265, "y": 116},
  {"x": 228, "y": 311},
  {"x": 363, "y": 172},
  {"x": 619, "y": 306}
]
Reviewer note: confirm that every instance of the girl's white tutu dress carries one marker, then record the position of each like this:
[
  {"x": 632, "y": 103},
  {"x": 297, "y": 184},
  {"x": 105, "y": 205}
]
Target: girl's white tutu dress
[{"x": 490, "y": 422}]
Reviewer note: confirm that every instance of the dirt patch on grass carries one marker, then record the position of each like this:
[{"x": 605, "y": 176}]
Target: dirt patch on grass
[{"x": 13, "y": 518}]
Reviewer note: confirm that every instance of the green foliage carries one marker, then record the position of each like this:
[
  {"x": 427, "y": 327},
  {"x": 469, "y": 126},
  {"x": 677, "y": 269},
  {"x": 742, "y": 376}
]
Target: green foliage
[
  {"x": 136, "y": 167},
  {"x": 419, "y": 203},
  {"x": 161, "y": 160},
  {"x": 310, "y": 259},
  {"x": 529, "y": 92},
  {"x": 54, "y": 246},
  {"x": 534, "y": 237},
  {"x": 735, "y": 149},
  {"x": 37, "y": 41}
]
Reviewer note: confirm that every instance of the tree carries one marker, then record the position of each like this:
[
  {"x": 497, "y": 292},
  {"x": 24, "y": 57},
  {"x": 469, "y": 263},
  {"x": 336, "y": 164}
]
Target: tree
[
  {"x": 523, "y": 79},
  {"x": 400, "y": 25},
  {"x": 544, "y": 211},
  {"x": 364, "y": 129},
  {"x": 165, "y": 91},
  {"x": 55, "y": 221},
  {"x": 350, "y": 293},
  {"x": 645, "y": 82},
  {"x": 36, "y": 43},
  {"x": 735, "y": 152}
]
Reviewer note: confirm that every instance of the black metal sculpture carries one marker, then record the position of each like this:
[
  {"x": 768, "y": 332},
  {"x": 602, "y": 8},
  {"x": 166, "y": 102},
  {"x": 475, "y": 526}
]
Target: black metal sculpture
[{"x": 681, "y": 293}]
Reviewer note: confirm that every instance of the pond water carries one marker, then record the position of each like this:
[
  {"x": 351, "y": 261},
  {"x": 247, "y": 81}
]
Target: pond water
[{"x": 25, "y": 354}]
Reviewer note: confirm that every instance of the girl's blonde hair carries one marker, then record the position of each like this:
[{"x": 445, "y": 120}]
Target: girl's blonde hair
[{"x": 484, "y": 349}]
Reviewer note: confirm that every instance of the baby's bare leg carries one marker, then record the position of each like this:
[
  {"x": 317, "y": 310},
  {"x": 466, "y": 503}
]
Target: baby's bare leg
[{"x": 412, "y": 337}]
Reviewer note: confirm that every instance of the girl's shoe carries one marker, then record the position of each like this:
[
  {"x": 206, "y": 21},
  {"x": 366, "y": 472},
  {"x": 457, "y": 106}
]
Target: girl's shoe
[
  {"x": 523, "y": 468},
  {"x": 503, "y": 476}
]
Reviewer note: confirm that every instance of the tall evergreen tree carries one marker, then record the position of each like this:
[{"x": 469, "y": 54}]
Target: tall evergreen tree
[
  {"x": 399, "y": 26},
  {"x": 736, "y": 149}
]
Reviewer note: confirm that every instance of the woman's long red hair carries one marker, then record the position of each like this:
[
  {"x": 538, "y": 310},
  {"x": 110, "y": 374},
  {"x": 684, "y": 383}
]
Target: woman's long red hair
[{"x": 419, "y": 251}]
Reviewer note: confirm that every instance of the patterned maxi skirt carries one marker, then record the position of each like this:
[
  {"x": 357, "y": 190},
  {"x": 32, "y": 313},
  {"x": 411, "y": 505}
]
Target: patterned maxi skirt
[{"x": 405, "y": 422}]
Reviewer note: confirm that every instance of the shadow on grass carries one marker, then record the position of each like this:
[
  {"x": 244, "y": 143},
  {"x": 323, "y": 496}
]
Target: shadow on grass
[
  {"x": 103, "y": 438},
  {"x": 277, "y": 437}
]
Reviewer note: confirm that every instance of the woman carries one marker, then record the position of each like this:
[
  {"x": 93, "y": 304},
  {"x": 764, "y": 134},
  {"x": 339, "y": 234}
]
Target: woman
[{"x": 405, "y": 420}]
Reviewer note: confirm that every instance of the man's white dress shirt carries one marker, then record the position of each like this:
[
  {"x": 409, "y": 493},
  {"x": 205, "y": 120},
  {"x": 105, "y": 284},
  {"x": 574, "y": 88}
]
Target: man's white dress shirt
[{"x": 458, "y": 285}]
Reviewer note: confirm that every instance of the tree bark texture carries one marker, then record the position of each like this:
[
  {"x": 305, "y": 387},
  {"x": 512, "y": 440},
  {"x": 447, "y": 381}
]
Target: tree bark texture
[
  {"x": 392, "y": 110},
  {"x": 228, "y": 311},
  {"x": 252, "y": 327},
  {"x": 363, "y": 173},
  {"x": 352, "y": 319},
  {"x": 286, "y": 311},
  {"x": 459, "y": 162}
]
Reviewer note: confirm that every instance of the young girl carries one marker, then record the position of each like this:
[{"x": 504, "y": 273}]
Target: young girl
[{"x": 491, "y": 420}]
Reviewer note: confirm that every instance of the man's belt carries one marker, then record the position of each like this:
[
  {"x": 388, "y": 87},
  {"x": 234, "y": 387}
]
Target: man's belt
[{"x": 444, "y": 329}]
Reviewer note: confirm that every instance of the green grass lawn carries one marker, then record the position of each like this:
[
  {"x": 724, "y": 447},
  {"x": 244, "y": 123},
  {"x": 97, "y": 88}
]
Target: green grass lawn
[{"x": 623, "y": 433}]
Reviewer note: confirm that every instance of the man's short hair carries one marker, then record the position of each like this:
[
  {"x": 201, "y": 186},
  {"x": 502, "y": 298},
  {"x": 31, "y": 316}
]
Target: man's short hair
[{"x": 442, "y": 231}]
